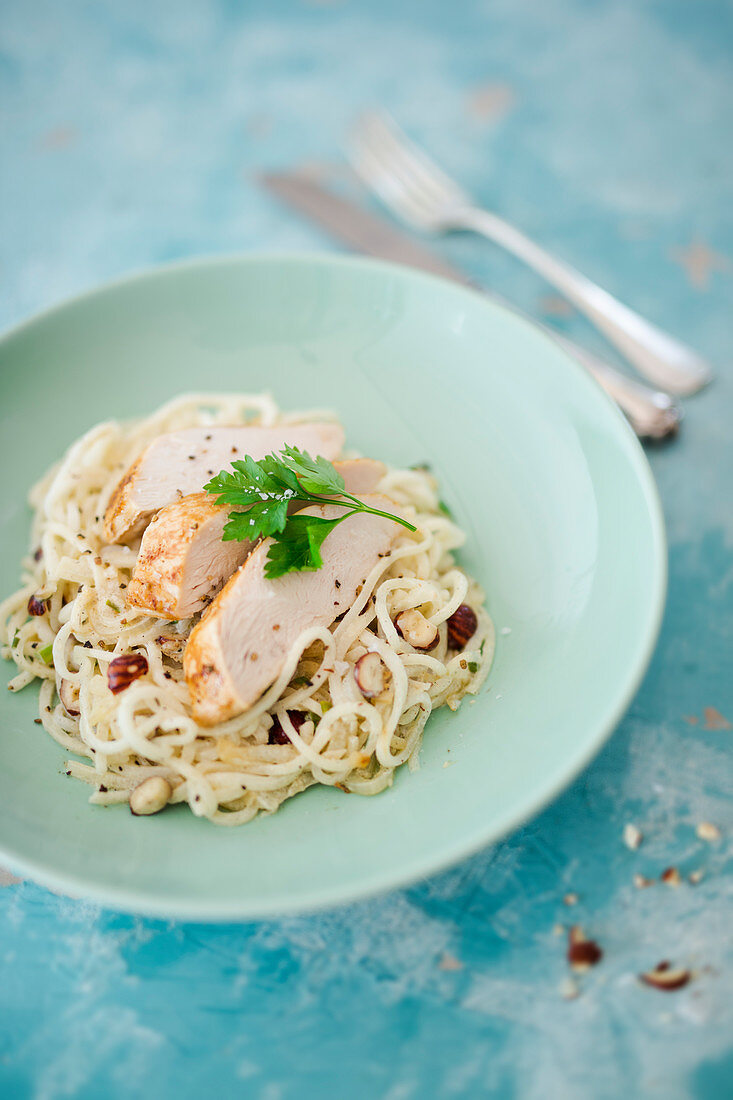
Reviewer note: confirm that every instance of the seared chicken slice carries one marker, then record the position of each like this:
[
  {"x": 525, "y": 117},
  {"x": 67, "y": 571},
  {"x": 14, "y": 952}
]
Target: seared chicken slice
[
  {"x": 240, "y": 646},
  {"x": 183, "y": 562},
  {"x": 361, "y": 475},
  {"x": 179, "y": 463}
]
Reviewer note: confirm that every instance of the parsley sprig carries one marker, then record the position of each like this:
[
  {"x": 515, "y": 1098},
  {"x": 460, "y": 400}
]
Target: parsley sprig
[{"x": 267, "y": 488}]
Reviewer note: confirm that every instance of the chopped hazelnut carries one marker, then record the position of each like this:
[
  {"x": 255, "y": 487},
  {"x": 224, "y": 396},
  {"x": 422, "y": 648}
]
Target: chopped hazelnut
[
  {"x": 417, "y": 631},
  {"x": 450, "y": 962},
  {"x": 666, "y": 977},
  {"x": 369, "y": 675},
  {"x": 124, "y": 670},
  {"x": 150, "y": 796},
  {"x": 69, "y": 696},
  {"x": 462, "y": 626},
  {"x": 276, "y": 734},
  {"x": 582, "y": 952}
]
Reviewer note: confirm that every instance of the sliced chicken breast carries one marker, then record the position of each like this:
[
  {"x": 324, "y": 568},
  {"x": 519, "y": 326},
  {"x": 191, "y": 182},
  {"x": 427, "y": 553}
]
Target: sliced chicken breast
[
  {"x": 240, "y": 646},
  {"x": 183, "y": 562},
  {"x": 361, "y": 475},
  {"x": 179, "y": 463}
]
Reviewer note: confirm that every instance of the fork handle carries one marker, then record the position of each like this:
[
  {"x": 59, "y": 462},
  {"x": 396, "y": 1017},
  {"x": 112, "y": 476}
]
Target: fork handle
[{"x": 656, "y": 355}]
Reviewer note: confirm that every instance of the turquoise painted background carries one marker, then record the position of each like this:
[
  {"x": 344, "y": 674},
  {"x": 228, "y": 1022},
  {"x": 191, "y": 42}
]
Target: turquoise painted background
[{"x": 129, "y": 135}]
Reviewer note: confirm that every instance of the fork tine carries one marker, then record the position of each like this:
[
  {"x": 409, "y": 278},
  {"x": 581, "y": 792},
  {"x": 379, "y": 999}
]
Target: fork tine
[
  {"x": 386, "y": 151},
  {"x": 411, "y": 183},
  {"x": 404, "y": 158},
  {"x": 385, "y": 173},
  {"x": 387, "y": 185}
]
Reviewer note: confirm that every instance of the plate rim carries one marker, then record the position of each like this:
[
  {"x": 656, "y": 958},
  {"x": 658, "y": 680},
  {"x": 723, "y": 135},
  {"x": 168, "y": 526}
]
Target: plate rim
[{"x": 128, "y": 900}]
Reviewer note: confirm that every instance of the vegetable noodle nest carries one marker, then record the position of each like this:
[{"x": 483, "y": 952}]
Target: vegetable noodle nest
[{"x": 313, "y": 725}]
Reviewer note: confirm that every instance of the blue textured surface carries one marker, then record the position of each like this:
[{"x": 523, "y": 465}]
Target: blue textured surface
[{"x": 129, "y": 136}]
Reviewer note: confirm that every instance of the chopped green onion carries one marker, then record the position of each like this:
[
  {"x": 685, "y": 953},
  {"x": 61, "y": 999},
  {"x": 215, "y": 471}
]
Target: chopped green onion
[
  {"x": 114, "y": 607},
  {"x": 46, "y": 654},
  {"x": 445, "y": 509},
  {"x": 472, "y": 666}
]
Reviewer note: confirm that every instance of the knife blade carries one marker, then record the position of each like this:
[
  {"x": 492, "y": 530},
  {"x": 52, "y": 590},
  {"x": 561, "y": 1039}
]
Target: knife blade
[
  {"x": 358, "y": 228},
  {"x": 652, "y": 414}
]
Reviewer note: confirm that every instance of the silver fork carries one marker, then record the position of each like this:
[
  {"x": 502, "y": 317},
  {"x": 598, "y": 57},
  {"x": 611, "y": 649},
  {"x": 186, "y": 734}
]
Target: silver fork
[{"x": 422, "y": 194}]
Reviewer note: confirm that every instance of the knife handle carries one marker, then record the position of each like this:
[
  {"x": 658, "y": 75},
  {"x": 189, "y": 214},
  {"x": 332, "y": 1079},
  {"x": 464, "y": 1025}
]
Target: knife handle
[{"x": 651, "y": 413}]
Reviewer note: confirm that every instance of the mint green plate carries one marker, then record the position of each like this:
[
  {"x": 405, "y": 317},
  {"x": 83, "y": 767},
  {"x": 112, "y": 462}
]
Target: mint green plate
[{"x": 564, "y": 531}]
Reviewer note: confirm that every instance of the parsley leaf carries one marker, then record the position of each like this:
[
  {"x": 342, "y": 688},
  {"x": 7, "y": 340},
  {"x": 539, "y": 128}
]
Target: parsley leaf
[
  {"x": 280, "y": 473},
  {"x": 261, "y": 475},
  {"x": 262, "y": 519},
  {"x": 316, "y": 475},
  {"x": 297, "y": 549},
  {"x": 266, "y": 489},
  {"x": 254, "y": 482}
]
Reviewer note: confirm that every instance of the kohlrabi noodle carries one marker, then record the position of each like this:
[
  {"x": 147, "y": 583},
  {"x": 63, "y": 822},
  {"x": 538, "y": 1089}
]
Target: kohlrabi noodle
[{"x": 230, "y": 772}]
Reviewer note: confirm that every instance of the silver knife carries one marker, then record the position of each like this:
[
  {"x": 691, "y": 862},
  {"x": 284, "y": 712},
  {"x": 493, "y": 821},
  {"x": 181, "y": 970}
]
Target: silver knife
[{"x": 652, "y": 414}]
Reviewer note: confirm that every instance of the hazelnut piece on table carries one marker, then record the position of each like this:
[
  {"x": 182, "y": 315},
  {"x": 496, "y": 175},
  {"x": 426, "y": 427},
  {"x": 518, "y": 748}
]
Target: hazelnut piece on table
[
  {"x": 582, "y": 952},
  {"x": 666, "y": 977}
]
